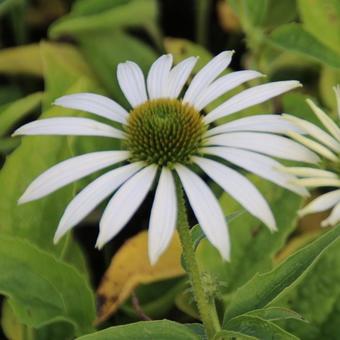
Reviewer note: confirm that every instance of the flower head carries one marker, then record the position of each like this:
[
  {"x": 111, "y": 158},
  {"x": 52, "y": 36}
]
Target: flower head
[
  {"x": 325, "y": 142},
  {"x": 165, "y": 135}
]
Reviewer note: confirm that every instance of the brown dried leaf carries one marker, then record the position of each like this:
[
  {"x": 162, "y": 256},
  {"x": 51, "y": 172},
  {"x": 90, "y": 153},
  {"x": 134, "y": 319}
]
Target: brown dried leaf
[{"x": 130, "y": 267}]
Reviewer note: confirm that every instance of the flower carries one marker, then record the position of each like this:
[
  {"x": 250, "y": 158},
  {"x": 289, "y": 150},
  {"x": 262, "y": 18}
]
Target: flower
[
  {"x": 327, "y": 145},
  {"x": 163, "y": 134}
]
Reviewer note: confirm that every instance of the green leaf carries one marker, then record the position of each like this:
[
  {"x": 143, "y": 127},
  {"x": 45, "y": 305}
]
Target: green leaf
[
  {"x": 147, "y": 330},
  {"x": 13, "y": 112},
  {"x": 264, "y": 288},
  {"x": 253, "y": 245},
  {"x": 41, "y": 288},
  {"x": 275, "y": 314},
  {"x": 262, "y": 329},
  {"x": 280, "y": 12},
  {"x": 251, "y": 12},
  {"x": 322, "y": 19},
  {"x": 231, "y": 335},
  {"x": 329, "y": 78},
  {"x": 294, "y": 38},
  {"x": 131, "y": 13},
  {"x": 105, "y": 51},
  {"x": 316, "y": 298},
  {"x": 24, "y": 60}
]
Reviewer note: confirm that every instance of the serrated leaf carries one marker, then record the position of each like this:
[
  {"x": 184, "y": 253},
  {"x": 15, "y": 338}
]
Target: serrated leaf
[
  {"x": 41, "y": 288},
  {"x": 294, "y": 38},
  {"x": 264, "y": 288},
  {"x": 127, "y": 271},
  {"x": 147, "y": 330},
  {"x": 262, "y": 329}
]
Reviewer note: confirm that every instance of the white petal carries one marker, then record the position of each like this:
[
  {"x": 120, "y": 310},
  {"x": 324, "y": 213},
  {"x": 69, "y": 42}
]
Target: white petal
[
  {"x": 124, "y": 203},
  {"x": 315, "y": 146},
  {"x": 309, "y": 172},
  {"x": 158, "y": 76},
  {"x": 69, "y": 171},
  {"x": 315, "y": 132},
  {"x": 207, "y": 210},
  {"x": 94, "y": 103},
  {"x": 268, "y": 144},
  {"x": 178, "y": 77},
  {"x": 69, "y": 126},
  {"x": 265, "y": 123},
  {"x": 321, "y": 203},
  {"x": 251, "y": 97},
  {"x": 163, "y": 216},
  {"x": 206, "y": 75},
  {"x": 260, "y": 165},
  {"x": 325, "y": 120},
  {"x": 240, "y": 188},
  {"x": 337, "y": 96},
  {"x": 131, "y": 81},
  {"x": 92, "y": 195},
  {"x": 223, "y": 85},
  {"x": 315, "y": 182},
  {"x": 333, "y": 218}
]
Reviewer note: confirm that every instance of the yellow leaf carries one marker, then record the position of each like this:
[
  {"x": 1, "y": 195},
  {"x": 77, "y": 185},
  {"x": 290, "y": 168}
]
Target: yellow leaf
[
  {"x": 130, "y": 267},
  {"x": 21, "y": 60}
]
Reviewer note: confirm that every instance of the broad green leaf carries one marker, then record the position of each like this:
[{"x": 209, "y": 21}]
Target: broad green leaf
[
  {"x": 13, "y": 112},
  {"x": 262, "y": 329},
  {"x": 63, "y": 67},
  {"x": 262, "y": 289},
  {"x": 90, "y": 7},
  {"x": 127, "y": 271},
  {"x": 24, "y": 60},
  {"x": 105, "y": 51},
  {"x": 322, "y": 19},
  {"x": 275, "y": 314},
  {"x": 131, "y": 13},
  {"x": 294, "y": 38},
  {"x": 41, "y": 289},
  {"x": 145, "y": 330},
  {"x": 231, "y": 335},
  {"x": 253, "y": 246},
  {"x": 280, "y": 12},
  {"x": 8, "y": 144},
  {"x": 315, "y": 297}
]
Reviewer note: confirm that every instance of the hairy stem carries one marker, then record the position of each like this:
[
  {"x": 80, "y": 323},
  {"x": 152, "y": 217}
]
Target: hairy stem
[{"x": 205, "y": 307}]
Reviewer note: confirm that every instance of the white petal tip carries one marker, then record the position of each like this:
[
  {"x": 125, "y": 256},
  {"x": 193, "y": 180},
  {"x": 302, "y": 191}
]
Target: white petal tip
[{"x": 23, "y": 199}]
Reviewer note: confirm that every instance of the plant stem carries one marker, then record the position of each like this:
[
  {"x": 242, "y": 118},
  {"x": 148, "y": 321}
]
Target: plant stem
[
  {"x": 205, "y": 306},
  {"x": 201, "y": 21}
]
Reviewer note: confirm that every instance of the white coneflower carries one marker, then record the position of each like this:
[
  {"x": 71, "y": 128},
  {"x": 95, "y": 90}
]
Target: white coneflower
[
  {"x": 165, "y": 134},
  {"x": 327, "y": 145}
]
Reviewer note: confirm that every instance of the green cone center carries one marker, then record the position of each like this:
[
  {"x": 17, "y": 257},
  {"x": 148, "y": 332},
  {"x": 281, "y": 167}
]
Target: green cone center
[{"x": 164, "y": 132}]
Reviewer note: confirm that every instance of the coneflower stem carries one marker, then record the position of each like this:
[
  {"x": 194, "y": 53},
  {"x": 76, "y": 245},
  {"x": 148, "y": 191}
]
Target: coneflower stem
[{"x": 206, "y": 308}]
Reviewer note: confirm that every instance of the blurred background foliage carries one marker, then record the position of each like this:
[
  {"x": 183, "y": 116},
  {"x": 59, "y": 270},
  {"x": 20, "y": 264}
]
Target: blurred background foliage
[{"x": 49, "y": 48}]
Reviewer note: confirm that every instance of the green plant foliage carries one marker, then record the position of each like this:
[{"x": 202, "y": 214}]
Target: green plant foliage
[
  {"x": 315, "y": 297},
  {"x": 41, "y": 289},
  {"x": 13, "y": 112},
  {"x": 261, "y": 329},
  {"x": 162, "y": 329},
  {"x": 294, "y": 38},
  {"x": 322, "y": 19},
  {"x": 253, "y": 246},
  {"x": 102, "y": 54},
  {"x": 102, "y": 16},
  {"x": 264, "y": 288}
]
